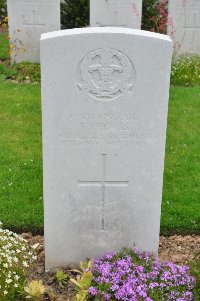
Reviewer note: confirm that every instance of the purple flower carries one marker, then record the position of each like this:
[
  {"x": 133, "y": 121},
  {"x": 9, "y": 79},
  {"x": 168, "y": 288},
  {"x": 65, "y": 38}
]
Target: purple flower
[
  {"x": 92, "y": 291},
  {"x": 133, "y": 275},
  {"x": 106, "y": 296}
]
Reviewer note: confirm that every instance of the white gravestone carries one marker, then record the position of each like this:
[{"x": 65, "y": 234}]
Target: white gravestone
[
  {"x": 184, "y": 25},
  {"x": 105, "y": 101},
  {"x": 122, "y": 13},
  {"x": 28, "y": 19}
]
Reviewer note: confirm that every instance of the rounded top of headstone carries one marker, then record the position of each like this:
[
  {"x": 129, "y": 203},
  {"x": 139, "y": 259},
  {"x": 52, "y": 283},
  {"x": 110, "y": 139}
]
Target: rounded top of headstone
[{"x": 105, "y": 30}]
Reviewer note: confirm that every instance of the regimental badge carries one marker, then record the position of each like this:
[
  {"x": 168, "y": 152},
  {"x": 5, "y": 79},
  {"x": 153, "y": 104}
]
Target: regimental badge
[{"x": 105, "y": 75}]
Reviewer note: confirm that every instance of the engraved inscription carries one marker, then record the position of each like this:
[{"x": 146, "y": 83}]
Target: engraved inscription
[
  {"x": 115, "y": 130},
  {"x": 98, "y": 139},
  {"x": 105, "y": 75},
  {"x": 103, "y": 183}
]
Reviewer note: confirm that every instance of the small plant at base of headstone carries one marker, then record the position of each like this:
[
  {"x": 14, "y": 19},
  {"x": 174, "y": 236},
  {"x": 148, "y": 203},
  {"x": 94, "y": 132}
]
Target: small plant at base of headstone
[
  {"x": 61, "y": 278},
  {"x": 35, "y": 290},
  {"x": 27, "y": 71},
  {"x": 83, "y": 280},
  {"x": 15, "y": 259},
  {"x": 133, "y": 275}
]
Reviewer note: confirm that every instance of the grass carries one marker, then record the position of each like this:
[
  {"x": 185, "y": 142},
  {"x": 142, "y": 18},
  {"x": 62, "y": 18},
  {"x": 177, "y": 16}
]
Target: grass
[
  {"x": 6, "y": 72},
  {"x": 21, "y": 160},
  {"x": 4, "y": 46},
  {"x": 181, "y": 194},
  {"x": 20, "y": 157}
]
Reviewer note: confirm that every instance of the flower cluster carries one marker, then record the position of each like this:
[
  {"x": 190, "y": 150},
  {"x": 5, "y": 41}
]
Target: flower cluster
[
  {"x": 186, "y": 71},
  {"x": 4, "y": 23},
  {"x": 135, "y": 276},
  {"x": 15, "y": 259},
  {"x": 163, "y": 14},
  {"x": 15, "y": 44},
  {"x": 160, "y": 19}
]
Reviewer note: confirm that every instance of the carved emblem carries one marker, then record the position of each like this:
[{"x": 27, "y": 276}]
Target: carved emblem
[{"x": 105, "y": 75}]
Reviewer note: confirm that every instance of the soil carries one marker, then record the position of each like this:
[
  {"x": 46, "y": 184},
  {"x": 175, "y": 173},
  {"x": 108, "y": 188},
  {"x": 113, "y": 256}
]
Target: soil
[{"x": 178, "y": 249}]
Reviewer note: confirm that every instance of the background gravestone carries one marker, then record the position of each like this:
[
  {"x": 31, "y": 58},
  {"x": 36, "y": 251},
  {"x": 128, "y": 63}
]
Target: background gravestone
[
  {"x": 104, "y": 126},
  {"x": 185, "y": 19},
  {"x": 122, "y": 13},
  {"x": 28, "y": 19}
]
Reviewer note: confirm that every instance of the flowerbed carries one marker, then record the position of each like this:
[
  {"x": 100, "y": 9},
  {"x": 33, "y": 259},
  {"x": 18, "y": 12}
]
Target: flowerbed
[
  {"x": 128, "y": 275},
  {"x": 186, "y": 71},
  {"x": 132, "y": 275},
  {"x": 15, "y": 259}
]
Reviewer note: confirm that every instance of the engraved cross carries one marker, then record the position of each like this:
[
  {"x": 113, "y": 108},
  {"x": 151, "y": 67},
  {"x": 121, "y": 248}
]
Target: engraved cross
[
  {"x": 194, "y": 28},
  {"x": 103, "y": 183},
  {"x": 115, "y": 18},
  {"x": 34, "y": 22}
]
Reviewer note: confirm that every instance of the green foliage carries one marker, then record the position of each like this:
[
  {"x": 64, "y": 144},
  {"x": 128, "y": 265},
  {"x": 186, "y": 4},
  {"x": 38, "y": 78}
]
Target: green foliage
[
  {"x": 19, "y": 72},
  {"x": 6, "y": 72},
  {"x": 195, "y": 271},
  {"x": 83, "y": 280},
  {"x": 15, "y": 260},
  {"x": 148, "y": 11},
  {"x": 3, "y": 9},
  {"x": 4, "y": 46},
  {"x": 27, "y": 70},
  {"x": 186, "y": 71},
  {"x": 154, "y": 15},
  {"x": 61, "y": 278},
  {"x": 74, "y": 13}
]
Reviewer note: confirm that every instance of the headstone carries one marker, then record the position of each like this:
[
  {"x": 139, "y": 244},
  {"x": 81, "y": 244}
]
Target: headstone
[
  {"x": 105, "y": 101},
  {"x": 28, "y": 19},
  {"x": 121, "y": 13},
  {"x": 184, "y": 25}
]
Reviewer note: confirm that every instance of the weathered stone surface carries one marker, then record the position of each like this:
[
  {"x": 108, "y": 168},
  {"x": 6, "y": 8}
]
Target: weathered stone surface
[
  {"x": 184, "y": 25},
  {"x": 105, "y": 101},
  {"x": 28, "y": 19},
  {"x": 122, "y": 13}
]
